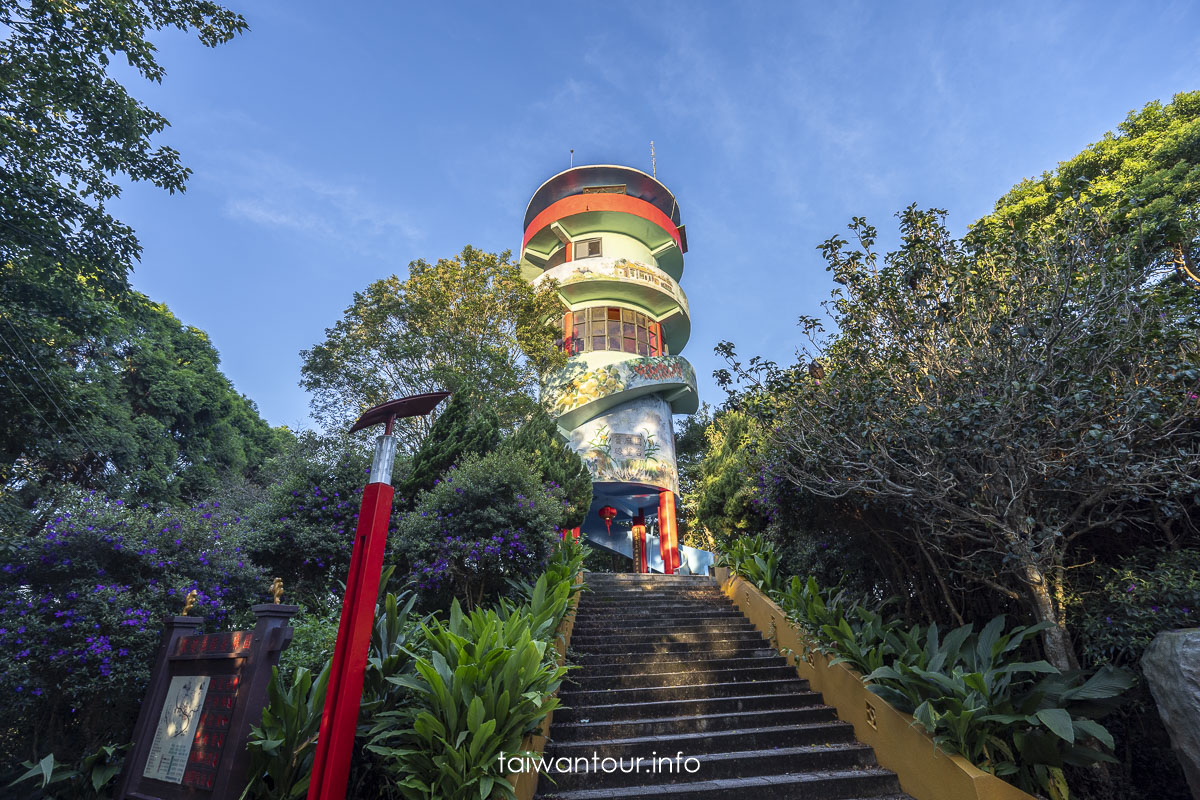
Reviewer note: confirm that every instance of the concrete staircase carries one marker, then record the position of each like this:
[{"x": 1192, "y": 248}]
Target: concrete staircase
[{"x": 668, "y": 665}]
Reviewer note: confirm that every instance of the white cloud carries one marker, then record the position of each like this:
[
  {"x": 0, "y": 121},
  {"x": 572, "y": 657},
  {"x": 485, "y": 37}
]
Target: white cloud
[{"x": 268, "y": 191}]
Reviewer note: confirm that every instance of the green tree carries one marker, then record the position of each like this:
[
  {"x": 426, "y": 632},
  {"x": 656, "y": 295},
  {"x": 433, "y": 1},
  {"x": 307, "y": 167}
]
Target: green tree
[
  {"x": 490, "y": 519},
  {"x": 462, "y": 429},
  {"x": 126, "y": 400},
  {"x": 725, "y": 492},
  {"x": 1011, "y": 401},
  {"x": 69, "y": 130},
  {"x": 469, "y": 325},
  {"x": 556, "y": 464},
  {"x": 1144, "y": 180}
]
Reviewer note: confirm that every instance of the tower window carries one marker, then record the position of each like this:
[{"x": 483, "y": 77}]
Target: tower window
[
  {"x": 587, "y": 248},
  {"x": 609, "y": 328}
]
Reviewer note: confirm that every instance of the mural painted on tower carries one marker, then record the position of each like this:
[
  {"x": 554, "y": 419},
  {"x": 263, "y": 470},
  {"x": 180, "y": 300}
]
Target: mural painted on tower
[
  {"x": 576, "y": 386},
  {"x": 634, "y": 443}
]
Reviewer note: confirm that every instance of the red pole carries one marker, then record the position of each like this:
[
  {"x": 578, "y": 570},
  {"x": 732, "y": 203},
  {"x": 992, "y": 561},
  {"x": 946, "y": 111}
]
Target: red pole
[
  {"x": 639, "y": 542},
  {"x": 335, "y": 742},
  {"x": 335, "y": 745}
]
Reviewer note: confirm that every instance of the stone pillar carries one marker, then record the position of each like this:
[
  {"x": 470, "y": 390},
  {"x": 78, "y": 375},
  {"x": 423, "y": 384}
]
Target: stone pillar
[{"x": 1172, "y": 668}]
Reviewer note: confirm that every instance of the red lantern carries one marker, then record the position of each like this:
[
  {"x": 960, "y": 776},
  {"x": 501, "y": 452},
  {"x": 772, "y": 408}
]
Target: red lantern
[{"x": 608, "y": 514}]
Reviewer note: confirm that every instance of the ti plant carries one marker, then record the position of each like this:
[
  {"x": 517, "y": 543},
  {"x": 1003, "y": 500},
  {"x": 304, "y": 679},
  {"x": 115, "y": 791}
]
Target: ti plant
[
  {"x": 754, "y": 559},
  {"x": 483, "y": 687},
  {"x": 88, "y": 779},
  {"x": 1023, "y": 720},
  {"x": 282, "y": 748}
]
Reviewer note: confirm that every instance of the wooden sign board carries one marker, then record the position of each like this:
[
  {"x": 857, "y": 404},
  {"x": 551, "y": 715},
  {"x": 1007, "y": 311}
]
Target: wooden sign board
[{"x": 205, "y": 693}]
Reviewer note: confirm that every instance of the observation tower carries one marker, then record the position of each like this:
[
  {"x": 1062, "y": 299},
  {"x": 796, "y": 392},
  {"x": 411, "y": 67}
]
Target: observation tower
[{"x": 611, "y": 237}]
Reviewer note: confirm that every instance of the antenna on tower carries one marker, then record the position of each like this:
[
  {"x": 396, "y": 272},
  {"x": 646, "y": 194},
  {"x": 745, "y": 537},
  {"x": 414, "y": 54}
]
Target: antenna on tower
[
  {"x": 572, "y": 158},
  {"x": 653, "y": 164}
]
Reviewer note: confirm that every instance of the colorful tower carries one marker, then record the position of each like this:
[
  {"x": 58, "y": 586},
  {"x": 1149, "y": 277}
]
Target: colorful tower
[{"x": 612, "y": 239}]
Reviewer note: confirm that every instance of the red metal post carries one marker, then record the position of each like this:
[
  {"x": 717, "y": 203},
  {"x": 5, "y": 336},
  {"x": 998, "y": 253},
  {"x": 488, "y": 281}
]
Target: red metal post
[
  {"x": 335, "y": 742},
  {"x": 331, "y": 763}
]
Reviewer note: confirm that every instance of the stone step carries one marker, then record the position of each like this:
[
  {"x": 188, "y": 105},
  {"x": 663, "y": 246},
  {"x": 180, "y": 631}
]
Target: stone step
[
  {"x": 767, "y": 659},
  {"x": 689, "y": 723},
  {"x": 587, "y": 660},
  {"x": 648, "y": 613},
  {"x": 706, "y": 706},
  {"x": 578, "y": 641},
  {"x": 684, "y": 642},
  {"x": 589, "y": 682},
  {"x": 632, "y": 593},
  {"x": 604, "y": 596},
  {"x": 727, "y": 622},
  {"x": 854, "y": 783},
  {"x": 677, "y": 649},
  {"x": 666, "y": 612},
  {"x": 648, "y": 694},
  {"x": 709, "y": 742}
]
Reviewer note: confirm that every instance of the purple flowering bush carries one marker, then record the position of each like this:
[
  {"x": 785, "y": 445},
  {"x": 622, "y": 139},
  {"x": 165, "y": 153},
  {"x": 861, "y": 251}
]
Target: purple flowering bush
[
  {"x": 303, "y": 530},
  {"x": 81, "y": 605},
  {"x": 483, "y": 523},
  {"x": 1128, "y": 606}
]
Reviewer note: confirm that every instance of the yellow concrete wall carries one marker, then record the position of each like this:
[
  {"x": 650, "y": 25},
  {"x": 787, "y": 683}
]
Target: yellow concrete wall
[
  {"x": 900, "y": 744},
  {"x": 525, "y": 783}
]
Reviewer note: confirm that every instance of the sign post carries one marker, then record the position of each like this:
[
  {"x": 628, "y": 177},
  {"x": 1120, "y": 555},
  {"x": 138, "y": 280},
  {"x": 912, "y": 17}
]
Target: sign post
[
  {"x": 335, "y": 744},
  {"x": 205, "y": 692}
]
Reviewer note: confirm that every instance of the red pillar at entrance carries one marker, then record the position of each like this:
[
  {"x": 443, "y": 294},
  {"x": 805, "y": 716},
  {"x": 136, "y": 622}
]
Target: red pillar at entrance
[
  {"x": 639, "y": 543},
  {"x": 668, "y": 539}
]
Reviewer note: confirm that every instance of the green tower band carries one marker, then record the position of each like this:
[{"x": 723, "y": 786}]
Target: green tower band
[{"x": 612, "y": 239}]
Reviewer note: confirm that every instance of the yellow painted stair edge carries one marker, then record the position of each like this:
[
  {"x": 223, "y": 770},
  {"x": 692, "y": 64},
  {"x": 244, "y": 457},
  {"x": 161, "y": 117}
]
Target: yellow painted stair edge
[{"x": 900, "y": 745}]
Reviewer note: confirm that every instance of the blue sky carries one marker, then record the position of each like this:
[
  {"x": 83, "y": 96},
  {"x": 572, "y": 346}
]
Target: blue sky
[{"x": 336, "y": 142}]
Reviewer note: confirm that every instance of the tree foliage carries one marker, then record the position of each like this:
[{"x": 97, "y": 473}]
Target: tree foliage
[
  {"x": 724, "y": 499},
  {"x": 469, "y": 325},
  {"x": 1143, "y": 180},
  {"x": 539, "y": 440},
  {"x": 118, "y": 397},
  {"x": 69, "y": 129},
  {"x": 463, "y": 429},
  {"x": 1012, "y": 402}
]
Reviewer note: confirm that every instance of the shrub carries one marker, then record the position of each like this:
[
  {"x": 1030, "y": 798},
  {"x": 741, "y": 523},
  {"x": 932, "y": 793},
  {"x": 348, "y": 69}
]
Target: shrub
[
  {"x": 80, "y": 613},
  {"x": 1022, "y": 720},
  {"x": 1130, "y": 605},
  {"x": 487, "y": 521},
  {"x": 303, "y": 530},
  {"x": 283, "y": 746},
  {"x": 92, "y": 777}
]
